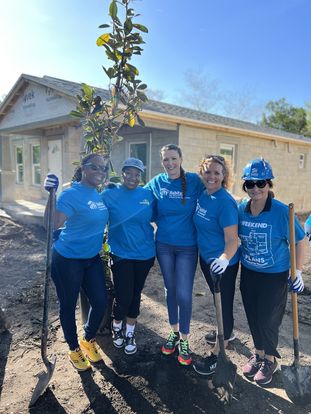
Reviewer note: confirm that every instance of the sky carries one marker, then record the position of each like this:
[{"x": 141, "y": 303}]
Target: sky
[{"x": 261, "y": 47}]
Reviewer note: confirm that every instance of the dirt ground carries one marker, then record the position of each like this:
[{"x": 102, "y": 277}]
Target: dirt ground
[{"x": 143, "y": 383}]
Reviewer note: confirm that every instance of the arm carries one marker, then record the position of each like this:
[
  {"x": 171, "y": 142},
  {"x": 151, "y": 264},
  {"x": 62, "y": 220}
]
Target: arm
[
  {"x": 300, "y": 254},
  {"x": 59, "y": 219},
  {"x": 231, "y": 242}
]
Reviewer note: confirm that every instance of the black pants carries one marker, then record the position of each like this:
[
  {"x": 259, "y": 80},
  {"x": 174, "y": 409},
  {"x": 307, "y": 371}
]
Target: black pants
[
  {"x": 264, "y": 298},
  {"x": 129, "y": 278},
  {"x": 227, "y": 288}
]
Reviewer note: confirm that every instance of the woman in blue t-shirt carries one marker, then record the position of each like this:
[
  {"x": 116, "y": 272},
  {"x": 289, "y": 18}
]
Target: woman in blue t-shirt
[
  {"x": 265, "y": 263},
  {"x": 216, "y": 221},
  {"x": 176, "y": 193},
  {"x": 81, "y": 217},
  {"x": 131, "y": 242}
]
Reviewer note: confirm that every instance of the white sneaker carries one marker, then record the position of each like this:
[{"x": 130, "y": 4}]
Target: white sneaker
[
  {"x": 117, "y": 337},
  {"x": 130, "y": 344}
]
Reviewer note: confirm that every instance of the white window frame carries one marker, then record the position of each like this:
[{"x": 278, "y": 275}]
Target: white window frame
[
  {"x": 35, "y": 165},
  {"x": 146, "y": 165},
  {"x": 17, "y": 165},
  {"x": 228, "y": 147},
  {"x": 302, "y": 161}
]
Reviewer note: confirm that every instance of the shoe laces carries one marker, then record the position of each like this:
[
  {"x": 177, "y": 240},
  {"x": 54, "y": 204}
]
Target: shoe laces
[
  {"x": 171, "y": 338},
  {"x": 266, "y": 365},
  {"x": 184, "y": 346},
  {"x": 79, "y": 354}
]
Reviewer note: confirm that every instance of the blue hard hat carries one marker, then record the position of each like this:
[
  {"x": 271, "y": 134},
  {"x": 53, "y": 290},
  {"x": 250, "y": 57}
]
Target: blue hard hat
[
  {"x": 133, "y": 162},
  {"x": 258, "y": 169}
]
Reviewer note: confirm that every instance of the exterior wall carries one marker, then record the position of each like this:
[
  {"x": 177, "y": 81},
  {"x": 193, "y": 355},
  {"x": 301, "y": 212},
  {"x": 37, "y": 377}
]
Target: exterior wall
[{"x": 290, "y": 182}]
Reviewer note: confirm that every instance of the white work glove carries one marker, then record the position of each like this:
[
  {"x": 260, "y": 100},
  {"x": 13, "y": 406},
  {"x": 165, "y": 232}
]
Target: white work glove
[
  {"x": 51, "y": 181},
  {"x": 218, "y": 266},
  {"x": 297, "y": 285}
]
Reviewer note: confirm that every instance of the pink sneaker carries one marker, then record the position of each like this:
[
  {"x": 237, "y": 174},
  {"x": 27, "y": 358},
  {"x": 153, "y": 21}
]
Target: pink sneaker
[
  {"x": 266, "y": 371},
  {"x": 252, "y": 367}
]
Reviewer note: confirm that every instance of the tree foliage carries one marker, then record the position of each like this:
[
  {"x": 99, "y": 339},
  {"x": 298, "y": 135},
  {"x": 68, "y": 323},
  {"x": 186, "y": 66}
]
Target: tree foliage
[
  {"x": 102, "y": 119},
  {"x": 281, "y": 115}
]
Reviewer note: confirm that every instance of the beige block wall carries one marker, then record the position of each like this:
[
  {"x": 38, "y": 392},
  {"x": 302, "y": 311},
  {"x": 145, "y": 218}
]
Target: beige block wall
[{"x": 291, "y": 184}]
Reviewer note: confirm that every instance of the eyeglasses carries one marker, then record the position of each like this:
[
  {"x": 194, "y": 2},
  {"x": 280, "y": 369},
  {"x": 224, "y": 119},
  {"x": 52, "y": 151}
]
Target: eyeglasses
[
  {"x": 93, "y": 167},
  {"x": 251, "y": 184}
]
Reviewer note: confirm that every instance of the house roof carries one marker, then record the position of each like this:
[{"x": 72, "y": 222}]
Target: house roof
[{"x": 162, "y": 109}]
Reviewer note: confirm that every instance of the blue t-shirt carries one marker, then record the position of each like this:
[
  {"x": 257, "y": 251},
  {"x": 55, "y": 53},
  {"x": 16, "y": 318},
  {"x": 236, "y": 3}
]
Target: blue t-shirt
[
  {"x": 174, "y": 219},
  {"x": 213, "y": 213},
  {"x": 87, "y": 216},
  {"x": 130, "y": 234},
  {"x": 265, "y": 238}
]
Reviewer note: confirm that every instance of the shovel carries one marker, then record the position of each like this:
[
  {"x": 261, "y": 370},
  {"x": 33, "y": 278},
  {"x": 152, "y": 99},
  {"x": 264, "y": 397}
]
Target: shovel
[
  {"x": 45, "y": 377},
  {"x": 296, "y": 378},
  {"x": 225, "y": 373}
]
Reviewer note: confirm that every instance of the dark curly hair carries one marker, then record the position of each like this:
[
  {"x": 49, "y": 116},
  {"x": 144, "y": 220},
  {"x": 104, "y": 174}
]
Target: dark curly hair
[{"x": 77, "y": 176}]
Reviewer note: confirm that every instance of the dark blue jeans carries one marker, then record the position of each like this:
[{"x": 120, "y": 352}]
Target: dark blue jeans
[
  {"x": 178, "y": 265},
  {"x": 69, "y": 276}
]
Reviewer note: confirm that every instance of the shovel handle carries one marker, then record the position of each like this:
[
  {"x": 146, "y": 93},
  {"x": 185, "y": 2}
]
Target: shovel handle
[
  {"x": 292, "y": 246},
  {"x": 49, "y": 245}
]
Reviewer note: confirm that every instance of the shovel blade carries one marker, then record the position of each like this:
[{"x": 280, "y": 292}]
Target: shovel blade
[
  {"x": 297, "y": 383},
  {"x": 225, "y": 374},
  {"x": 43, "y": 381}
]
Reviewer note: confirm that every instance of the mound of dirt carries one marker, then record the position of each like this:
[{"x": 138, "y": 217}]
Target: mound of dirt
[{"x": 146, "y": 382}]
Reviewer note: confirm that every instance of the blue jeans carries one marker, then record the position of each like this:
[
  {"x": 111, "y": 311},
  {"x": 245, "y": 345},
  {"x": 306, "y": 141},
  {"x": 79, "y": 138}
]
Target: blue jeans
[
  {"x": 69, "y": 276},
  {"x": 178, "y": 265}
]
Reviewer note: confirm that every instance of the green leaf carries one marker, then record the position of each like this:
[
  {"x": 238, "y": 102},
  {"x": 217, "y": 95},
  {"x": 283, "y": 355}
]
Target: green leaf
[
  {"x": 128, "y": 26},
  {"x": 113, "y": 9},
  {"x": 142, "y": 96},
  {"x": 77, "y": 114},
  {"x": 109, "y": 72},
  {"x": 140, "y": 27},
  {"x": 140, "y": 121},
  {"x": 142, "y": 86},
  {"x": 131, "y": 68},
  {"x": 103, "y": 26}
]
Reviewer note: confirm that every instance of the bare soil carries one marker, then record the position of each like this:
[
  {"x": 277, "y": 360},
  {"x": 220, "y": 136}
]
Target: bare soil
[{"x": 144, "y": 383}]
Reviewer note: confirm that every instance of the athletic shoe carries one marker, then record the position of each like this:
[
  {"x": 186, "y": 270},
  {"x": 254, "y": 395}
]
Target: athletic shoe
[
  {"x": 90, "y": 349},
  {"x": 265, "y": 373},
  {"x": 117, "y": 337},
  {"x": 78, "y": 360},
  {"x": 184, "y": 357},
  {"x": 130, "y": 344},
  {"x": 252, "y": 367},
  {"x": 172, "y": 341},
  {"x": 207, "y": 366},
  {"x": 212, "y": 336}
]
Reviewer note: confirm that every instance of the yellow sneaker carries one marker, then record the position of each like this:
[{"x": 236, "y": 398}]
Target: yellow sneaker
[
  {"x": 90, "y": 348},
  {"x": 78, "y": 360}
]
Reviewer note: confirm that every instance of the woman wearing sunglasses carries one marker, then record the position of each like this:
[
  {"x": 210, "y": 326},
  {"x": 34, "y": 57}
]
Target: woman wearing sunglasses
[
  {"x": 81, "y": 217},
  {"x": 216, "y": 221},
  {"x": 265, "y": 263},
  {"x": 132, "y": 246}
]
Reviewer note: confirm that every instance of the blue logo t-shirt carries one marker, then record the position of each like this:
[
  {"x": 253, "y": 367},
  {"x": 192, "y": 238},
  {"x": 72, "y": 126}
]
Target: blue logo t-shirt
[{"x": 87, "y": 216}]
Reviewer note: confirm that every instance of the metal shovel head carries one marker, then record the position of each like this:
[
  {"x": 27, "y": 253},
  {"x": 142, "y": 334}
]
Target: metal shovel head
[
  {"x": 225, "y": 374},
  {"x": 297, "y": 383},
  {"x": 43, "y": 382}
]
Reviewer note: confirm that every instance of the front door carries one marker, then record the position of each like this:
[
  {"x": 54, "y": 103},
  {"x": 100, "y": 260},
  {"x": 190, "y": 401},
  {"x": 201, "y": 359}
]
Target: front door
[{"x": 55, "y": 160}]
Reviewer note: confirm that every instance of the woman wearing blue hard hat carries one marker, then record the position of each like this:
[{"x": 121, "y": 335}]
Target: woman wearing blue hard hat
[
  {"x": 265, "y": 263},
  {"x": 132, "y": 246}
]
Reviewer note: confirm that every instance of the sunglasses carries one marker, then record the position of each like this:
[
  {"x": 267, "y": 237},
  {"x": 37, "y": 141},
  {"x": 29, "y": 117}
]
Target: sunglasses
[
  {"x": 259, "y": 184},
  {"x": 93, "y": 167}
]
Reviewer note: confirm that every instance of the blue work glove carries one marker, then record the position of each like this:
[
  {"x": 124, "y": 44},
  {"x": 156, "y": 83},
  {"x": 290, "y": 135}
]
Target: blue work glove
[
  {"x": 51, "y": 181},
  {"x": 297, "y": 285}
]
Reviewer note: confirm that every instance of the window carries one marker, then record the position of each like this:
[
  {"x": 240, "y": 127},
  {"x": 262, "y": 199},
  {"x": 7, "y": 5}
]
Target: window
[
  {"x": 228, "y": 152},
  {"x": 19, "y": 168},
  {"x": 36, "y": 169},
  {"x": 302, "y": 161},
  {"x": 139, "y": 150}
]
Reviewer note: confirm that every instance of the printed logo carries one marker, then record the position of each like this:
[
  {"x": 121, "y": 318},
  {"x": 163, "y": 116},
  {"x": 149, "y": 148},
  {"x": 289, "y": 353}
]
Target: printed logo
[
  {"x": 201, "y": 212},
  {"x": 164, "y": 192},
  {"x": 96, "y": 205},
  {"x": 145, "y": 201}
]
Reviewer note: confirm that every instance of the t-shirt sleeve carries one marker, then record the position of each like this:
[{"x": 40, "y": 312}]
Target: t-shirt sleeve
[
  {"x": 65, "y": 204},
  {"x": 228, "y": 214}
]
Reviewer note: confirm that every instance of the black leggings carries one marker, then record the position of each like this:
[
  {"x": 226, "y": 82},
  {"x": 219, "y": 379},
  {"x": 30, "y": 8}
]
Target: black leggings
[
  {"x": 227, "y": 288},
  {"x": 129, "y": 277},
  {"x": 264, "y": 298}
]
